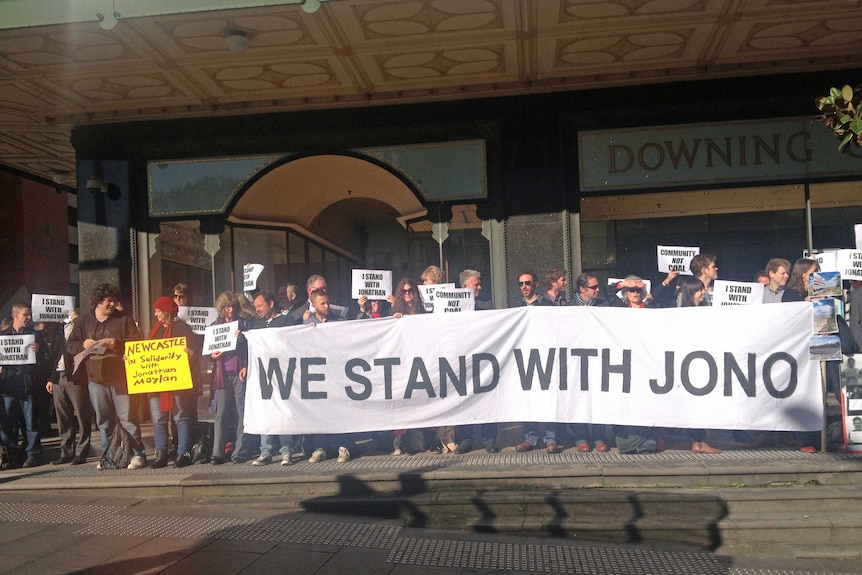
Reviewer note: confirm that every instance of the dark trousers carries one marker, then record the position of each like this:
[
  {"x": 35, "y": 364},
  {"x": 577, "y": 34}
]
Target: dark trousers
[{"x": 74, "y": 416}]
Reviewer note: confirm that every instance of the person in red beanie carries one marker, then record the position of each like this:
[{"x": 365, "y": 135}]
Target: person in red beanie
[{"x": 180, "y": 403}]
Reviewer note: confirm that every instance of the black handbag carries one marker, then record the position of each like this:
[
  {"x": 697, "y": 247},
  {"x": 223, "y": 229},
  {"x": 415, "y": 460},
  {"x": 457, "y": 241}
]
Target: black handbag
[{"x": 121, "y": 449}]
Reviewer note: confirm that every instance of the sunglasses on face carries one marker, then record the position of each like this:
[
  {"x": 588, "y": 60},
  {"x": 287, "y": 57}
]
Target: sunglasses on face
[
  {"x": 595, "y": 287},
  {"x": 406, "y": 291},
  {"x": 525, "y": 283}
]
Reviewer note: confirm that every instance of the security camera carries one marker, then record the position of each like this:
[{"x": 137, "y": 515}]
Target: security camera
[{"x": 96, "y": 184}]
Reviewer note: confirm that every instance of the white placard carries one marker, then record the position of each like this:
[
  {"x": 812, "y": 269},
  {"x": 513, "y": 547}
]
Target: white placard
[
  {"x": 736, "y": 293},
  {"x": 220, "y": 337},
  {"x": 426, "y": 292},
  {"x": 339, "y": 310},
  {"x": 619, "y": 366},
  {"x": 858, "y": 232},
  {"x": 53, "y": 308},
  {"x": 373, "y": 284},
  {"x": 250, "y": 273},
  {"x": 198, "y": 318},
  {"x": 675, "y": 259},
  {"x": 850, "y": 264},
  {"x": 16, "y": 350},
  {"x": 826, "y": 259},
  {"x": 454, "y": 300}
]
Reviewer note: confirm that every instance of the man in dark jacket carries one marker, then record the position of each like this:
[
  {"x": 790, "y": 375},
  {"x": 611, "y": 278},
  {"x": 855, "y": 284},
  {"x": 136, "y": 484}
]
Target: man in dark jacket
[
  {"x": 18, "y": 383},
  {"x": 110, "y": 329}
]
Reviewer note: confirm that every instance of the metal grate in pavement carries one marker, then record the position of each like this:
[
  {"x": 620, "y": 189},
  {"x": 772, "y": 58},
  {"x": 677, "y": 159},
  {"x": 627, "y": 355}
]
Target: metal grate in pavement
[
  {"x": 280, "y": 531},
  {"x": 426, "y": 462},
  {"x": 56, "y": 513},
  {"x": 745, "y": 571},
  {"x": 550, "y": 559}
]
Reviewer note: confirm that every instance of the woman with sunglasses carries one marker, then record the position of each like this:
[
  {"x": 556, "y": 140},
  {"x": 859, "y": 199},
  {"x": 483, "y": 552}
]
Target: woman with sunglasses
[{"x": 406, "y": 301}]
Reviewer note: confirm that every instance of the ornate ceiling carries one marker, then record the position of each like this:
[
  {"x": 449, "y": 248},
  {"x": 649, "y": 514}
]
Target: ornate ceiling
[{"x": 353, "y": 53}]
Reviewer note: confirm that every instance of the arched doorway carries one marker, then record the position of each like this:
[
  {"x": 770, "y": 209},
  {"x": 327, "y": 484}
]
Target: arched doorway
[{"x": 323, "y": 214}]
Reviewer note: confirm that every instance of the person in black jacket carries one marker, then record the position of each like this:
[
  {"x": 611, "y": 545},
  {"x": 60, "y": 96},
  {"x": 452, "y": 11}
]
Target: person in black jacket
[
  {"x": 71, "y": 405},
  {"x": 18, "y": 383}
]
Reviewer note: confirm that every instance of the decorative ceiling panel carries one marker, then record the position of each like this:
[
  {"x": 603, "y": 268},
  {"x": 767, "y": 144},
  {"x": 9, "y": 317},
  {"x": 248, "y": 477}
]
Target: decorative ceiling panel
[{"x": 374, "y": 52}]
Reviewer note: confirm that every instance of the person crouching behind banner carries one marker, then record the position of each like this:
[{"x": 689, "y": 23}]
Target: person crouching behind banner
[
  {"x": 692, "y": 294},
  {"x": 180, "y": 403},
  {"x": 227, "y": 389}
]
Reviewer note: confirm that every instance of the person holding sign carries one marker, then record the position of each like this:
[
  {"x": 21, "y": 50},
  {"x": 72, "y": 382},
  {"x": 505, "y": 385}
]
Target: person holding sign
[
  {"x": 777, "y": 273},
  {"x": 181, "y": 403},
  {"x": 797, "y": 284},
  {"x": 227, "y": 387},
  {"x": 797, "y": 290},
  {"x": 18, "y": 383}
]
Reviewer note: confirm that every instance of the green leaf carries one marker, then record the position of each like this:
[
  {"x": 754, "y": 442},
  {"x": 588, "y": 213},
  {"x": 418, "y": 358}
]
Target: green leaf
[
  {"x": 834, "y": 93},
  {"x": 845, "y": 141},
  {"x": 856, "y": 126},
  {"x": 847, "y": 93}
]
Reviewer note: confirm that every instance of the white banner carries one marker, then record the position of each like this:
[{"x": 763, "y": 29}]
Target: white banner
[
  {"x": 675, "y": 259},
  {"x": 198, "y": 318},
  {"x": 736, "y": 293},
  {"x": 373, "y": 284},
  {"x": 53, "y": 308},
  {"x": 827, "y": 259},
  {"x": 719, "y": 367},
  {"x": 17, "y": 350}
]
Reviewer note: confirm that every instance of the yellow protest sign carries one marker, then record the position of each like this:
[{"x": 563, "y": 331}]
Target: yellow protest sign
[{"x": 154, "y": 365}]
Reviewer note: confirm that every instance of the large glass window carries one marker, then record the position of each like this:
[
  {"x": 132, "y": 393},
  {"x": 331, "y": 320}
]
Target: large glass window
[{"x": 743, "y": 228}]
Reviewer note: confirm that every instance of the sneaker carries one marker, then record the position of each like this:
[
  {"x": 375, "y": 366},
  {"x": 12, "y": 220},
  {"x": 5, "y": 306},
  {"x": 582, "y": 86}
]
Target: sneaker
[
  {"x": 524, "y": 446},
  {"x": 262, "y": 460},
  {"x": 78, "y": 460},
  {"x": 99, "y": 466},
  {"x": 491, "y": 446},
  {"x": 553, "y": 448},
  {"x": 287, "y": 459},
  {"x": 30, "y": 462},
  {"x": 318, "y": 456},
  {"x": 137, "y": 462},
  {"x": 61, "y": 460},
  {"x": 396, "y": 452},
  {"x": 343, "y": 455}
]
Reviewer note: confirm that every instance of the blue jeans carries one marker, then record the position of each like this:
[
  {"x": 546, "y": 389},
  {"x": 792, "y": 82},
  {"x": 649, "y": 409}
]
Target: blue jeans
[
  {"x": 182, "y": 417},
  {"x": 110, "y": 404},
  {"x": 531, "y": 433},
  {"x": 12, "y": 409},
  {"x": 267, "y": 445}
]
